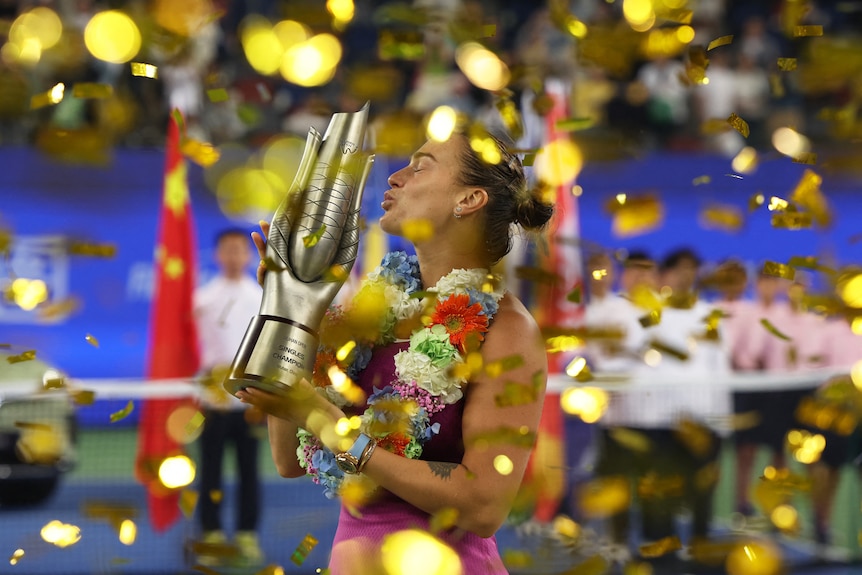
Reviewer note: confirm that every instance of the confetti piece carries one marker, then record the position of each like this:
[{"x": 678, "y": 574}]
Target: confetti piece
[
  {"x": 188, "y": 501},
  {"x": 311, "y": 239},
  {"x": 201, "y": 153},
  {"x": 92, "y": 340},
  {"x": 604, "y": 497},
  {"x": 529, "y": 159},
  {"x": 807, "y": 195},
  {"x": 511, "y": 117},
  {"x": 701, "y": 180},
  {"x": 805, "y": 31},
  {"x": 418, "y": 230},
  {"x": 776, "y": 85},
  {"x": 83, "y": 396},
  {"x": 670, "y": 350},
  {"x": 806, "y": 158},
  {"x": 635, "y": 215},
  {"x": 517, "y": 437},
  {"x": 144, "y": 70},
  {"x": 739, "y": 125},
  {"x": 518, "y": 393},
  {"x": 123, "y": 413},
  {"x": 714, "y": 126},
  {"x": 720, "y": 41},
  {"x": 23, "y": 356},
  {"x": 574, "y": 296},
  {"x": 722, "y": 217},
  {"x": 661, "y": 547},
  {"x": 756, "y": 201},
  {"x": 217, "y": 95},
  {"x": 443, "y": 520},
  {"x": 508, "y": 363},
  {"x": 16, "y": 556},
  {"x": 778, "y": 270},
  {"x": 630, "y": 439},
  {"x": 519, "y": 558},
  {"x": 772, "y": 329},
  {"x": 303, "y": 549},
  {"x": 787, "y": 64},
  {"x": 697, "y": 438},
  {"x": 49, "y": 98},
  {"x": 574, "y": 124},
  {"x": 92, "y": 90},
  {"x": 811, "y": 263},
  {"x": 792, "y": 220},
  {"x": 91, "y": 250}
]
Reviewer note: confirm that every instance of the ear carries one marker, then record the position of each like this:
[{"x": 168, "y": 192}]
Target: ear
[{"x": 472, "y": 200}]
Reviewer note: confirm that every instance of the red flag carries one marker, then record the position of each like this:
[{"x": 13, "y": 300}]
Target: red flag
[
  {"x": 547, "y": 464},
  {"x": 173, "y": 348}
]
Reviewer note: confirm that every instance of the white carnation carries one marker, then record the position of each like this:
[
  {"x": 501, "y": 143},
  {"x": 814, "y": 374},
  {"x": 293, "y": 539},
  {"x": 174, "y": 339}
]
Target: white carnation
[
  {"x": 401, "y": 304},
  {"x": 457, "y": 281},
  {"x": 413, "y": 366}
]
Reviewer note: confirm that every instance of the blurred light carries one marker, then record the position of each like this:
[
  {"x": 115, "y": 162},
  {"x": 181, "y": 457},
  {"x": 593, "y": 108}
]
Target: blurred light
[
  {"x": 344, "y": 350},
  {"x": 281, "y": 156},
  {"x": 40, "y": 24},
  {"x": 60, "y": 534},
  {"x": 128, "y": 532},
  {"x": 558, "y": 162},
  {"x": 652, "y": 357},
  {"x": 856, "y": 325},
  {"x": 856, "y": 374},
  {"x": 112, "y": 36},
  {"x": 784, "y": 517},
  {"x": 338, "y": 378},
  {"x": 27, "y": 293},
  {"x": 261, "y": 45},
  {"x": 482, "y": 67},
  {"x": 639, "y": 14},
  {"x": 588, "y": 403},
  {"x": 442, "y": 123},
  {"x": 503, "y": 465},
  {"x": 52, "y": 379},
  {"x": 621, "y": 199},
  {"x": 851, "y": 291},
  {"x": 290, "y": 33},
  {"x": 576, "y": 28},
  {"x": 417, "y": 552},
  {"x": 313, "y": 62},
  {"x": 185, "y": 423},
  {"x": 577, "y": 191},
  {"x": 745, "y": 162},
  {"x": 576, "y": 366},
  {"x": 566, "y": 526},
  {"x": 777, "y": 204},
  {"x": 177, "y": 471},
  {"x": 685, "y": 34},
  {"x": 249, "y": 193},
  {"x": 705, "y": 81},
  {"x": 599, "y": 274},
  {"x": 342, "y": 426},
  {"x": 342, "y": 11},
  {"x": 755, "y": 558},
  {"x": 790, "y": 142}
]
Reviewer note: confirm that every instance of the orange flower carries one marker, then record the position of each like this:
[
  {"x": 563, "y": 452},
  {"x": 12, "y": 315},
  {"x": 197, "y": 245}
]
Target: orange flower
[
  {"x": 324, "y": 360},
  {"x": 460, "y": 319}
]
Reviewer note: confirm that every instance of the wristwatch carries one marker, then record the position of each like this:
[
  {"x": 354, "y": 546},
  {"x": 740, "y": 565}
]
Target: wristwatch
[{"x": 353, "y": 460}]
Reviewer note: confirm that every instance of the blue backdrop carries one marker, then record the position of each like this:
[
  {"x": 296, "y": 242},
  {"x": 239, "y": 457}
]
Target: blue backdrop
[{"x": 45, "y": 203}]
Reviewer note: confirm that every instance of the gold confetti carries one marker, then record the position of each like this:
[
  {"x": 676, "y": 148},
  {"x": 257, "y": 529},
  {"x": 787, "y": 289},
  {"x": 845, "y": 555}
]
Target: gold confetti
[
  {"x": 201, "y": 153},
  {"x": 518, "y": 437},
  {"x": 92, "y": 90},
  {"x": 518, "y": 558},
  {"x": 635, "y": 215},
  {"x": 807, "y": 195},
  {"x": 604, "y": 497},
  {"x": 811, "y": 30},
  {"x": 217, "y": 95},
  {"x": 720, "y": 41},
  {"x": 23, "y": 356},
  {"x": 787, "y": 64},
  {"x": 123, "y": 413},
  {"x": 83, "y": 396},
  {"x": 792, "y": 220},
  {"x": 810, "y": 263},
  {"x": 630, "y": 439},
  {"x": 665, "y": 348},
  {"x": 188, "y": 502},
  {"x": 443, "y": 520},
  {"x": 714, "y": 126},
  {"x": 574, "y": 124},
  {"x": 417, "y": 230},
  {"x": 739, "y": 125},
  {"x": 778, "y": 270},
  {"x": 49, "y": 98},
  {"x": 76, "y": 248},
  {"x": 661, "y": 547},
  {"x": 303, "y": 549},
  {"x": 92, "y": 340},
  {"x": 144, "y": 70},
  {"x": 806, "y": 158},
  {"x": 508, "y": 363},
  {"x": 772, "y": 329},
  {"x": 311, "y": 239},
  {"x": 756, "y": 201},
  {"x": 722, "y": 217},
  {"x": 595, "y": 565},
  {"x": 519, "y": 393},
  {"x": 701, "y": 180},
  {"x": 696, "y": 437},
  {"x": 16, "y": 556},
  {"x": 489, "y": 30},
  {"x": 574, "y": 296}
]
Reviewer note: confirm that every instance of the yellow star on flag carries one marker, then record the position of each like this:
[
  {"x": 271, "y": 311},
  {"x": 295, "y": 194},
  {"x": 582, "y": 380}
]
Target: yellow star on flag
[
  {"x": 177, "y": 190},
  {"x": 174, "y": 267}
]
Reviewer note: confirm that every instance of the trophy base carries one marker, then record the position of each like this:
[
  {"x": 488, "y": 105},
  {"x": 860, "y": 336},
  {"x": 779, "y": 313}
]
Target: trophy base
[{"x": 274, "y": 354}]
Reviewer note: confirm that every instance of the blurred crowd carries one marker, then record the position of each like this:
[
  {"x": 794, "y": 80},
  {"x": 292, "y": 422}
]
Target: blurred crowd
[
  {"x": 685, "y": 328},
  {"x": 631, "y": 90}
]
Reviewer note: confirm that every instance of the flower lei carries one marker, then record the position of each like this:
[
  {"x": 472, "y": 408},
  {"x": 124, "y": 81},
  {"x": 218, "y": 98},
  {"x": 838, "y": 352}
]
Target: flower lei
[{"x": 447, "y": 322}]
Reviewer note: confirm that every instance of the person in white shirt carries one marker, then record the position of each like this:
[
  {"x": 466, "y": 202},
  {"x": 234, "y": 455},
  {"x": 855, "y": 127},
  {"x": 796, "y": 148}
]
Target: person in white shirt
[
  {"x": 688, "y": 416},
  {"x": 223, "y": 308}
]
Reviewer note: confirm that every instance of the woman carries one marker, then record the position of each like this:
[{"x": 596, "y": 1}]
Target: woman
[{"x": 475, "y": 438}]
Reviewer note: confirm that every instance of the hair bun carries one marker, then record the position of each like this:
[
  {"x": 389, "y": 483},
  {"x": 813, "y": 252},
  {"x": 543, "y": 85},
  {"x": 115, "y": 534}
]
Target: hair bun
[{"x": 532, "y": 214}]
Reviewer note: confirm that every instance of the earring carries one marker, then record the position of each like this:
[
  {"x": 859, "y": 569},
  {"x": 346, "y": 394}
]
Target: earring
[{"x": 458, "y": 212}]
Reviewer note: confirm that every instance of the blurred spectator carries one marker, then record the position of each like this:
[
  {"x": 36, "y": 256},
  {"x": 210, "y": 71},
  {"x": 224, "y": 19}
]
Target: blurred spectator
[
  {"x": 752, "y": 99},
  {"x": 717, "y": 100},
  {"x": 668, "y": 105}
]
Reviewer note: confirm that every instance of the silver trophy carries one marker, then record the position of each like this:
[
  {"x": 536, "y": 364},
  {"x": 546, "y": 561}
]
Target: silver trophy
[{"x": 311, "y": 247}]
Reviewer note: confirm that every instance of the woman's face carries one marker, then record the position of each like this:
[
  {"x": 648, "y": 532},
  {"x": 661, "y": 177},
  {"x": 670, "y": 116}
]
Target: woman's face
[{"x": 424, "y": 189}]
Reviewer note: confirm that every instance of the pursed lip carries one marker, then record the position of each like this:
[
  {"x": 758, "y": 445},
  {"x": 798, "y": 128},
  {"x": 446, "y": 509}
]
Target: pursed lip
[{"x": 387, "y": 200}]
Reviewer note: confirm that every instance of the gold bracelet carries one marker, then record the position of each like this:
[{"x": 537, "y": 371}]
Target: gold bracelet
[{"x": 366, "y": 455}]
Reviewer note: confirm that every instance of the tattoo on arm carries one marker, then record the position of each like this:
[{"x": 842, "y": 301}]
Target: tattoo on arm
[{"x": 442, "y": 469}]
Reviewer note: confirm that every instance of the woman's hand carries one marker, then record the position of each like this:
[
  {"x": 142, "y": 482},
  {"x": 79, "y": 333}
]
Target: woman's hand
[
  {"x": 300, "y": 405},
  {"x": 259, "y": 240}
]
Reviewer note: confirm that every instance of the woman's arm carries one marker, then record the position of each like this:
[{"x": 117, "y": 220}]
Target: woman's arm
[
  {"x": 283, "y": 444},
  {"x": 497, "y": 426}
]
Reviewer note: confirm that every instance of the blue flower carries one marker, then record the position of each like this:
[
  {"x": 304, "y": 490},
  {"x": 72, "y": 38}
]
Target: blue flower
[
  {"x": 486, "y": 300},
  {"x": 399, "y": 269},
  {"x": 361, "y": 357}
]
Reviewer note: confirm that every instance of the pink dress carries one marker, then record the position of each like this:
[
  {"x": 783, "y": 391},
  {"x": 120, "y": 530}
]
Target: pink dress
[{"x": 355, "y": 549}]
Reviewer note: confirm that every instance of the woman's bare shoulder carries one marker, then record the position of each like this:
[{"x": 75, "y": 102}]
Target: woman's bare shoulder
[{"x": 513, "y": 317}]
